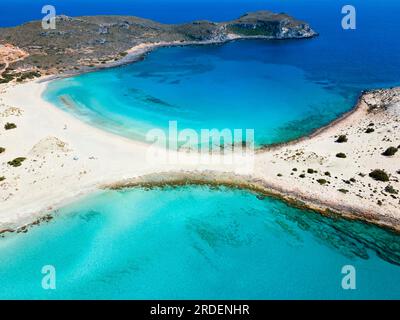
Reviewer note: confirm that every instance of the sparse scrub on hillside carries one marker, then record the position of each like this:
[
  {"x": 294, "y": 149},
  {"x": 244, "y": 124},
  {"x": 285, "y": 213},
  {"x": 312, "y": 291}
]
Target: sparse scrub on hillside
[
  {"x": 390, "y": 189},
  {"x": 379, "y": 175},
  {"x": 9, "y": 126},
  {"x": 391, "y": 151},
  {"x": 17, "y": 162},
  {"x": 342, "y": 139}
]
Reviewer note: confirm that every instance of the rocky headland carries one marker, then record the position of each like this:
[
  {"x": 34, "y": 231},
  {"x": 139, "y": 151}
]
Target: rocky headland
[{"x": 83, "y": 43}]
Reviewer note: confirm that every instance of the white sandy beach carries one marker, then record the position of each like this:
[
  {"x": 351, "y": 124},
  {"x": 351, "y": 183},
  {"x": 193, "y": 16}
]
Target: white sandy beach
[{"x": 67, "y": 158}]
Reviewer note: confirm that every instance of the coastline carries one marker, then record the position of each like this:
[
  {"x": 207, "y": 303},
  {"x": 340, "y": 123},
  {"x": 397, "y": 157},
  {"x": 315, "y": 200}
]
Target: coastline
[
  {"x": 83, "y": 165},
  {"x": 261, "y": 188},
  {"x": 139, "y": 51},
  {"x": 316, "y": 132},
  {"x": 272, "y": 175},
  {"x": 306, "y": 195}
]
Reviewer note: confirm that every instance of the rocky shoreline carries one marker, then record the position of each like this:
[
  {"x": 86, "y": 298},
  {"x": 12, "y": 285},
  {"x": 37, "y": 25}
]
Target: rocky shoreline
[{"x": 82, "y": 44}]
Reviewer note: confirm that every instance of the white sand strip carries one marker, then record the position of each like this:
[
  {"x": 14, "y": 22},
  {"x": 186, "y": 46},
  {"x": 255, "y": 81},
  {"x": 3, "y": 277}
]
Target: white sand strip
[{"x": 67, "y": 158}]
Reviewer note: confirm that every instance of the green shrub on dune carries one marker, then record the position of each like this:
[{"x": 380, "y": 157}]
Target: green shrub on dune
[
  {"x": 17, "y": 162},
  {"x": 379, "y": 175},
  {"x": 342, "y": 139},
  {"x": 390, "y": 189},
  {"x": 391, "y": 151},
  {"x": 9, "y": 126}
]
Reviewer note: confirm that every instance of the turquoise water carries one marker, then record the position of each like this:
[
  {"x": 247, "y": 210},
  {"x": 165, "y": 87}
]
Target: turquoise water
[
  {"x": 196, "y": 242},
  {"x": 203, "y": 88},
  {"x": 281, "y": 89},
  {"x": 153, "y": 244}
]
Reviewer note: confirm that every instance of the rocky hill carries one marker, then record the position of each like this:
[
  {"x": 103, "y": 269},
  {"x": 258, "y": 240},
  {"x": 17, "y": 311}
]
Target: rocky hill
[{"x": 93, "y": 40}]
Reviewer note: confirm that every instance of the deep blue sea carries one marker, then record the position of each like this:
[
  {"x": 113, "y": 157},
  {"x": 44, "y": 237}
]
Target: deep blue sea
[{"x": 197, "y": 242}]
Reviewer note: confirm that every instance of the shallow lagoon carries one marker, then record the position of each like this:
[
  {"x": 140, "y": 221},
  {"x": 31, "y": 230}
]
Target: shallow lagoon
[
  {"x": 205, "y": 87},
  {"x": 282, "y": 89}
]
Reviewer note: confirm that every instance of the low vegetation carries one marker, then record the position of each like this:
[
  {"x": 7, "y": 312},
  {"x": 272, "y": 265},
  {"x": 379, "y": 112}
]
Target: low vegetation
[
  {"x": 342, "y": 139},
  {"x": 6, "y": 78},
  {"x": 369, "y": 130},
  {"x": 379, "y": 175},
  {"x": 390, "y": 189},
  {"x": 9, "y": 126},
  {"x": 343, "y": 191},
  {"x": 17, "y": 162},
  {"x": 2, "y": 179},
  {"x": 28, "y": 75},
  {"x": 2, "y": 149},
  {"x": 391, "y": 151},
  {"x": 322, "y": 181}
]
